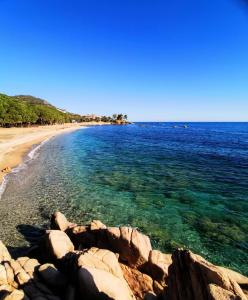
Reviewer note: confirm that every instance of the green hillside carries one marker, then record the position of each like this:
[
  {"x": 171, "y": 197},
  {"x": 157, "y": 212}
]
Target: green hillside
[
  {"x": 24, "y": 110},
  {"x": 31, "y": 100}
]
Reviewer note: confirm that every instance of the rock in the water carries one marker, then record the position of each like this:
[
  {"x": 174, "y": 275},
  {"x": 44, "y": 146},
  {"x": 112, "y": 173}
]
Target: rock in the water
[{"x": 193, "y": 278}]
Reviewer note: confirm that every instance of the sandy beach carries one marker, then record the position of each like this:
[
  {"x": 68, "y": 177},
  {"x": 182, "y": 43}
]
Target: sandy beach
[{"x": 16, "y": 142}]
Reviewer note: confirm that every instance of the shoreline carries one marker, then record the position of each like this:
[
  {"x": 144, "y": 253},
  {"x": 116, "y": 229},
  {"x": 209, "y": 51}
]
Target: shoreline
[{"x": 15, "y": 142}]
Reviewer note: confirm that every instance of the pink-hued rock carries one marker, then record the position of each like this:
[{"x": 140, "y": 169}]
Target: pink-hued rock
[
  {"x": 193, "y": 278},
  {"x": 235, "y": 276},
  {"x": 4, "y": 253},
  {"x": 218, "y": 293},
  {"x": 96, "y": 224},
  {"x": 132, "y": 246},
  {"x": 101, "y": 259},
  {"x": 57, "y": 244},
  {"x": 158, "y": 265},
  {"x": 60, "y": 222},
  {"x": 100, "y": 275},
  {"x": 3, "y": 275},
  {"x": 15, "y": 295},
  {"x": 139, "y": 283},
  {"x": 96, "y": 283}
]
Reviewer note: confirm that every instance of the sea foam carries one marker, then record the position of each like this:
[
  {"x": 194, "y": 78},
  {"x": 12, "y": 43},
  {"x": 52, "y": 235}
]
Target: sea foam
[{"x": 34, "y": 153}]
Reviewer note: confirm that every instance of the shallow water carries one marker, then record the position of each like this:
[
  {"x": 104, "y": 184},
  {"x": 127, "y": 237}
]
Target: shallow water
[{"x": 183, "y": 186}]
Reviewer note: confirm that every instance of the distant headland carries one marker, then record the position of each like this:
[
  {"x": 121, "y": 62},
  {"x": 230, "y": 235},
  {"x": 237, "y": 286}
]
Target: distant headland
[{"x": 25, "y": 110}]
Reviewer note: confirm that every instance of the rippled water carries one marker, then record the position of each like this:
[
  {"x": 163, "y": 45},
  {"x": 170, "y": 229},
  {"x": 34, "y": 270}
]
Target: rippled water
[{"x": 183, "y": 186}]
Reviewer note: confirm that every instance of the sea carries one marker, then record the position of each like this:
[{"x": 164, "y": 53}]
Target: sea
[{"x": 183, "y": 184}]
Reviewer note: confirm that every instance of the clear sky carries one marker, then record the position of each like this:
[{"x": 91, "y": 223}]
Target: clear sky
[{"x": 154, "y": 60}]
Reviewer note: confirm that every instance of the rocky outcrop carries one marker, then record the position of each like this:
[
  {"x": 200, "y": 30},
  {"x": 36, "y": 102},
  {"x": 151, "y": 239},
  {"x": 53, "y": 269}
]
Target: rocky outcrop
[
  {"x": 158, "y": 265},
  {"x": 94, "y": 261},
  {"x": 193, "y": 278},
  {"x": 60, "y": 222},
  {"x": 141, "y": 284},
  {"x": 55, "y": 245},
  {"x": 132, "y": 246},
  {"x": 22, "y": 279}
]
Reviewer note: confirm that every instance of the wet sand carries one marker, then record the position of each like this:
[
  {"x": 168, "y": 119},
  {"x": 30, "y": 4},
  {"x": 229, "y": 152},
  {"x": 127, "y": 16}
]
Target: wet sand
[
  {"x": 20, "y": 218},
  {"x": 16, "y": 142}
]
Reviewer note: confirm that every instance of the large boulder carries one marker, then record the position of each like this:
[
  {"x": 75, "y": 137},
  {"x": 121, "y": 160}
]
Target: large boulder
[
  {"x": 55, "y": 245},
  {"x": 193, "y": 278},
  {"x": 158, "y": 266},
  {"x": 132, "y": 246},
  {"x": 99, "y": 284},
  {"x": 101, "y": 259},
  {"x": 100, "y": 276},
  {"x": 59, "y": 222},
  {"x": 235, "y": 276}
]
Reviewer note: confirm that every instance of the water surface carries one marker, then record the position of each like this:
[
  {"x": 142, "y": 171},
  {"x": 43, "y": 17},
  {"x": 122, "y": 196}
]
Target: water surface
[{"x": 185, "y": 187}]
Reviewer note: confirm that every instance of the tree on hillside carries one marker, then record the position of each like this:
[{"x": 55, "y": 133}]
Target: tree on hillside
[
  {"x": 24, "y": 110},
  {"x": 119, "y": 117}
]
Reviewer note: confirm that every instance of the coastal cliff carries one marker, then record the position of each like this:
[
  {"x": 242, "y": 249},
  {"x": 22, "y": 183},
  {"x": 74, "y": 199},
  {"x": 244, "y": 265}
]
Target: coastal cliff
[{"x": 94, "y": 261}]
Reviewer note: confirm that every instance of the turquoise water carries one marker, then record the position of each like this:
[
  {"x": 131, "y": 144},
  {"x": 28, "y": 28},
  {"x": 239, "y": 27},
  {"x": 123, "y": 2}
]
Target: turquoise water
[{"x": 185, "y": 187}]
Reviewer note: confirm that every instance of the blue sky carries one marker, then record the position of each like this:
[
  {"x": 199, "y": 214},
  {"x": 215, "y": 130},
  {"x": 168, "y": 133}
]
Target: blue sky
[{"x": 153, "y": 60}]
